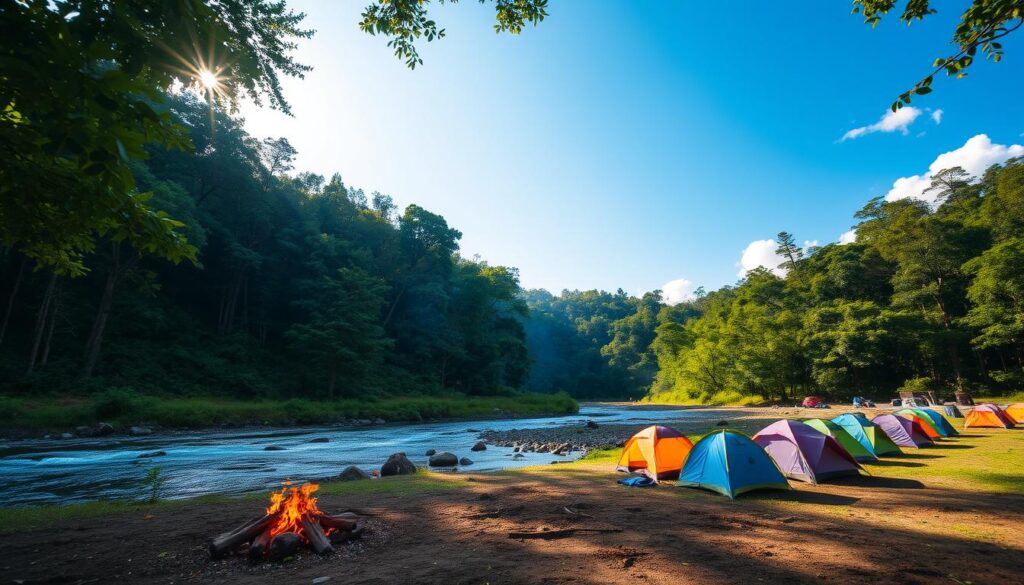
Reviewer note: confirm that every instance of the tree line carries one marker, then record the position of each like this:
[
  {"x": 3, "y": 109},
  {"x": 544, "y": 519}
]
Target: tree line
[
  {"x": 300, "y": 286},
  {"x": 930, "y": 296}
]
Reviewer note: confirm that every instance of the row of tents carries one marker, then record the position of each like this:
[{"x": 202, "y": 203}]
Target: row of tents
[{"x": 814, "y": 450}]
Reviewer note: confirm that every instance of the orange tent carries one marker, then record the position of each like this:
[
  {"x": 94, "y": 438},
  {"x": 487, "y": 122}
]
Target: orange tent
[
  {"x": 1015, "y": 412},
  {"x": 657, "y": 452},
  {"x": 926, "y": 426},
  {"x": 985, "y": 416}
]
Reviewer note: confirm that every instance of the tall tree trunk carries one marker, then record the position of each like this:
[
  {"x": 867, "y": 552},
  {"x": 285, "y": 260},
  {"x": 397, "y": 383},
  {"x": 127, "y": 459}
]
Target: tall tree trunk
[
  {"x": 44, "y": 310},
  {"x": 332, "y": 377},
  {"x": 99, "y": 325},
  {"x": 53, "y": 322},
  {"x": 12, "y": 297}
]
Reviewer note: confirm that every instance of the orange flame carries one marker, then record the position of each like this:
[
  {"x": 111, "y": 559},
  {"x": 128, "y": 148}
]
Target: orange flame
[{"x": 291, "y": 504}]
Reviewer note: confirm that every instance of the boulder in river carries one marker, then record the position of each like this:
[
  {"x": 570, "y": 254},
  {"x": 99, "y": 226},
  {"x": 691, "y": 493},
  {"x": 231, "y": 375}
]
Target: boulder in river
[
  {"x": 140, "y": 431},
  {"x": 320, "y": 440},
  {"x": 465, "y": 461},
  {"x": 722, "y": 423},
  {"x": 397, "y": 464},
  {"x": 273, "y": 448},
  {"x": 352, "y": 473},
  {"x": 591, "y": 424},
  {"x": 479, "y": 446},
  {"x": 430, "y": 452},
  {"x": 518, "y": 456},
  {"x": 67, "y": 436},
  {"x": 104, "y": 429},
  {"x": 443, "y": 460}
]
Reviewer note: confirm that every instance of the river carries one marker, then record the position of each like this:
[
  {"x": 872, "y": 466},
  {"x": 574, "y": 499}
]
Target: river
[{"x": 234, "y": 461}]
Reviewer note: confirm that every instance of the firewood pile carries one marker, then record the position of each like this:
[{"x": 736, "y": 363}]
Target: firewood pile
[{"x": 291, "y": 522}]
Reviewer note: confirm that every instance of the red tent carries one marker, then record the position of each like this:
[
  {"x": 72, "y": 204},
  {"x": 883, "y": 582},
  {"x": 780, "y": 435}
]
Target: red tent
[{"x": 812, "y": 402}]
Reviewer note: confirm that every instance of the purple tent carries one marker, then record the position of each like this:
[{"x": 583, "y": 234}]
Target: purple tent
[
  {"x": 902, "y": 431},
  {"x": 804, "y": 454}
]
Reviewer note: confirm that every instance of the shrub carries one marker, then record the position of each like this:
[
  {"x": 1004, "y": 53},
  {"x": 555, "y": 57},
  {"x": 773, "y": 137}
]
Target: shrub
[{"x": 116, "y": 402}]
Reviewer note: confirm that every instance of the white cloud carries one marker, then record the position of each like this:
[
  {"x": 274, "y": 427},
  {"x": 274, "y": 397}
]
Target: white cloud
[
  {"x": 810, "y": 244},
  {"x": 937, "y": 116},
  {"x": 676, "y": 291},
  {"x": 761, "y": 253},
  {"x": 897, "y": 121},
  {"x": 976, "y": 155},
  {"x": 847, "y": 237}
]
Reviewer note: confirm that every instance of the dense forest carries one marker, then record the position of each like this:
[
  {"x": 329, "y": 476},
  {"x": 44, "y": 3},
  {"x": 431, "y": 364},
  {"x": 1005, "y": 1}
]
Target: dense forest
[
  {"x": 930, "y": 296},
  {"x": 149, "y": 244},
  {"x": 303, "y": 286}
]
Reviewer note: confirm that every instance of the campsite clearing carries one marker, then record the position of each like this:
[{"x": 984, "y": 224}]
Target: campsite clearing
[{"x": 948, "y": 513}]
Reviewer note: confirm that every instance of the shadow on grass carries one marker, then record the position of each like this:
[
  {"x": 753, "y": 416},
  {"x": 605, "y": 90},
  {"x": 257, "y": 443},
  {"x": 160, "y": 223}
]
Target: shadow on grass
[
  {"x": 896, "y": 463},
  {"x": 801, "y": 496},
  {"x": 875, "y": 481}
]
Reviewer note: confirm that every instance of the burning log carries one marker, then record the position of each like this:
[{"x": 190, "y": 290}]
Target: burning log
[
  {"x": 339, "y": 522},
  {"x": 229, "y": 541},
  {"x": 259, "y": 547},
  {"x": 291, "y": 520},
  {"x": 317, "y": 539},
  {"x": 284, "y": 545}
]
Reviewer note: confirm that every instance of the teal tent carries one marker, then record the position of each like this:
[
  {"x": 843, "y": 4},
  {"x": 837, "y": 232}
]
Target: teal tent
[
  {"x": 731, "y": 464},
  {"x": 940, "y": 422}
]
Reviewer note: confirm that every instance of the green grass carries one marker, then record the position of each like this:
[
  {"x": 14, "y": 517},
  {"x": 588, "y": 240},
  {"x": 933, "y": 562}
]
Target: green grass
[
  {"x": 718, "y": 399},
  {"x": 1007, "y": 399},
  {"x": 986, "y": 460},
  {"x": 124, "y": 407},
  {"x": 35, "y": 517}
]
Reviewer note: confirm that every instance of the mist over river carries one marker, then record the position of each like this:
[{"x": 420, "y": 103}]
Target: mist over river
[{"x": 234, "y": 461}]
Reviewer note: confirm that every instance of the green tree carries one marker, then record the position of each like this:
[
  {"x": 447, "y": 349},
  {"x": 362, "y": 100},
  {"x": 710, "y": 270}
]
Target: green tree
[
  {"x": 406, "y": 21},
  {"x": 982, "y": 25}
]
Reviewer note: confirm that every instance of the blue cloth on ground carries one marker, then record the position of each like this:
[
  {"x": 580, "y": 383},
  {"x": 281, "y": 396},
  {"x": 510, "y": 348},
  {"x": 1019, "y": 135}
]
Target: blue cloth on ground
[{"x": 638, "y": 481}]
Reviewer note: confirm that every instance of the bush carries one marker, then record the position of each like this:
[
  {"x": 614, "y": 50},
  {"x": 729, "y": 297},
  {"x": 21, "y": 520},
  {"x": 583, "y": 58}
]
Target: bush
[
  {"x": 917, "y": 385},
  {"x": 116, "y": 402}
]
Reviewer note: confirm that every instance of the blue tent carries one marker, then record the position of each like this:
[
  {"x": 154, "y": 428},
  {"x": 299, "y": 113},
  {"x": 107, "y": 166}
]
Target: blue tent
[
  {"x": 953, "y": 411},
  {"x": 730, "y": 463},
  {"x": 940, "y": 421},
  {"x": 867, "y": 433}
]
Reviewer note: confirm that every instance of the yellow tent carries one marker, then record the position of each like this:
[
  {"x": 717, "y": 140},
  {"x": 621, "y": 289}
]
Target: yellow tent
[
  {"x": 657, "y": 452},
  {"x": 1015, "y": 412}
]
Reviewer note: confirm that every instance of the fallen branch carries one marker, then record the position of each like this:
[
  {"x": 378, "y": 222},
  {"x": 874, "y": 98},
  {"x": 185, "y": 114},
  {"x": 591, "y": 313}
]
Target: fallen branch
[
  {"x": 564, "y": 533},
  {"x": 317, "y": 539},
  {"x": 229, "y": 541}
]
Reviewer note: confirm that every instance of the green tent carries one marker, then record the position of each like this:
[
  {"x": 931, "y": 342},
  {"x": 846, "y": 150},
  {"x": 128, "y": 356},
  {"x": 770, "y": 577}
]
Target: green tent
[
  {"x": 867, "y": 433},
  {"x": 852, "y": 446}
]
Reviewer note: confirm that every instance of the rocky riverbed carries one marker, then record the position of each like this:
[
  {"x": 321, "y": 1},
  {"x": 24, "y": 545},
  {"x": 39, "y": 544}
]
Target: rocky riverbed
[{"x": 562, "y": 440}]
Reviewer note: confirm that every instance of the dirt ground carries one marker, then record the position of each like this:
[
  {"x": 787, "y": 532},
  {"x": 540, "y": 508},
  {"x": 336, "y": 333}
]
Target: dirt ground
[{"x": 861, "y": 530}]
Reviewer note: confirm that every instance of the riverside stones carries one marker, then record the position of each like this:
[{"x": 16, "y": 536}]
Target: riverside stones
[
  {"x": 397, "y": 464},
  {"x": 443, "y": 460},
  {"x": 479, "y": 446},
  {"x": 353, "y": 473},
  {"x": 465, "y": 461}
]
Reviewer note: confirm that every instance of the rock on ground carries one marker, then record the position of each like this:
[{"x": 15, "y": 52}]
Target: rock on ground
[
  {"x": 352, "y": 473},
  {"x": 397, "y": 464}
]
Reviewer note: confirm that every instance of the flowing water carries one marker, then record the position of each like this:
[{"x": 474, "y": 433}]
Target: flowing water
[{"x": 38, "y": 471}]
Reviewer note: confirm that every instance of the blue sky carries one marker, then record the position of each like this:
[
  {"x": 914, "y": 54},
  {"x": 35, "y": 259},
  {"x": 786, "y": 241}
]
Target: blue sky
[{"x": 632, "y": 144}]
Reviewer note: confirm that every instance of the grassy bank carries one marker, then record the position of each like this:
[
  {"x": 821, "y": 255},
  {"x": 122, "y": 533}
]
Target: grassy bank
[
  {"x": 718, "y": 399},
  {"x": 31, "y": 517},
  {"x": 123, "y": 407}
]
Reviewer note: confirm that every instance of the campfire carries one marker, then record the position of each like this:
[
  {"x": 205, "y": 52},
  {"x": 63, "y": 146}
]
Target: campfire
[{"x": 291, "y": 522}]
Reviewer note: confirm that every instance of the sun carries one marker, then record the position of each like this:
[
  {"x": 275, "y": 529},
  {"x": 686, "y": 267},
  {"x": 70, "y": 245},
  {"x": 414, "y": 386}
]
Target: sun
[{"x": 209, "y": 80}]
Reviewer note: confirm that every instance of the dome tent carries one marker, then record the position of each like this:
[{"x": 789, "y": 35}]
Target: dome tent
[
  {"x": 920, "y": 422},
  {"x": 867, "y": 434},
  {"x": 852, "y": 446},
  {"x": 987, "y": 416},
  {"x": 657, "y": 452},
  {"x": 902, "y": 431},
  {"x": 729, "y": 463},
  {"x": 803, "y": 453},
  {"x": 1015, "y": 412},
  {"x": 936, "y": 421}
]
